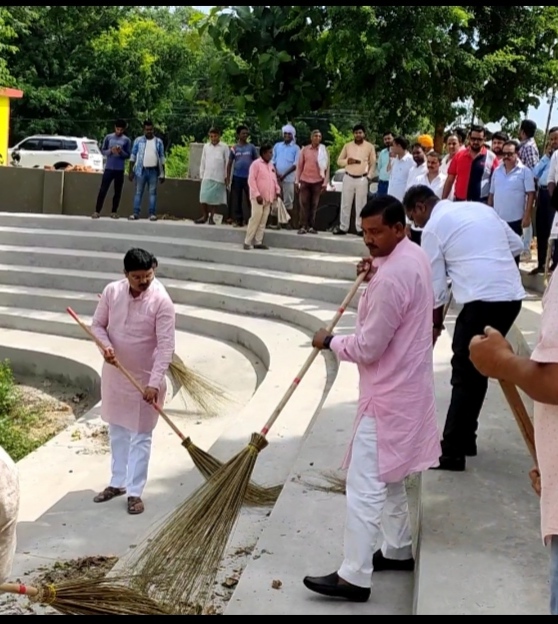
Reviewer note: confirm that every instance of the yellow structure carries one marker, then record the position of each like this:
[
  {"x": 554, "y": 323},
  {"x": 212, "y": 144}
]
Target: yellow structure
[{"x": 5, "y": 96}]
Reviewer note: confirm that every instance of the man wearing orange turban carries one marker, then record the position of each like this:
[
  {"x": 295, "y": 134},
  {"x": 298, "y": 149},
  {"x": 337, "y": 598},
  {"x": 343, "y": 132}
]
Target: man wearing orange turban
[{"x": 427, "y": 142}]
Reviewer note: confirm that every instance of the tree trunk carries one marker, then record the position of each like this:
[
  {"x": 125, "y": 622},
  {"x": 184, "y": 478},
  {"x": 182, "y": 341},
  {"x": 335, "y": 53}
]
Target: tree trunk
[{"x": 439, "y": 134}]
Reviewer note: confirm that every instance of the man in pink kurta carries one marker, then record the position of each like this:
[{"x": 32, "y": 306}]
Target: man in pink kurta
[
  {"x": 264, "y": 190},
  {"x": 135, "y": 321},
  {"x": 537, "y": 377},
  {"x": 396, "y": 433}
]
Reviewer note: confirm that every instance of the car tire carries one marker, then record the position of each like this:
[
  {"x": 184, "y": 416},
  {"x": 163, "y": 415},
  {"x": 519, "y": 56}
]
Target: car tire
[{"x": 61, "y": 166}]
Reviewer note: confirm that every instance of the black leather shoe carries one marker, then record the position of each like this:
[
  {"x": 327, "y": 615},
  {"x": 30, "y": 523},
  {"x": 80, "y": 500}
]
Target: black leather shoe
[
  {"x": 452, "y": 464},
  {"x": 331, "y": 587},
  {"x": 472, "y": 450},
  {"x": 381, "y": 564}
]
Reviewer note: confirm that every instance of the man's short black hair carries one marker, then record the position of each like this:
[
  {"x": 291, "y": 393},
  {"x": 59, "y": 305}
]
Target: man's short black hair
[
  {"x": 419, "y": 194},
  {"x": 501, "y": 136},
  {"x": 359, "y": 128},
  {"x": 389, "y": 207},
  {"x": 402, "y": 142},
  {"x": 139, "y": 260},
  {"x": 553, "y": 130},
  {"x": 148, "y": 124},
  {"x": 529, "y": 127},
  {"x": 121, "y": 123}
]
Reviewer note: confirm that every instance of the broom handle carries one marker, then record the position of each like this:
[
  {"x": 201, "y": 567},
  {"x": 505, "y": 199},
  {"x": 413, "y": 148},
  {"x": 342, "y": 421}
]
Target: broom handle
[
  {"x": 126, "y": 374},
  {"x": 521, "y": 416},
  {"x": 22, "y": 590},
  {"x": 297, "y": 381}
]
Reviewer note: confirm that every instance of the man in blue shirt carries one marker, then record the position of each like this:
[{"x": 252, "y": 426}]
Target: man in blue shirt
[
  {"x": 383, "y": 165},
  {"x": 116, "y": 148},
  {"x": 545, "y": 211},
  {"x": 285, "y": 159},
  {"x": 147, "y": 169},
  {"x": 243, "y": 154}
]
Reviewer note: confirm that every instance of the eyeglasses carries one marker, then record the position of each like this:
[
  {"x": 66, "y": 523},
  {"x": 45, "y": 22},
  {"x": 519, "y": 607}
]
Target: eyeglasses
[{"x": 508, "y": 154}]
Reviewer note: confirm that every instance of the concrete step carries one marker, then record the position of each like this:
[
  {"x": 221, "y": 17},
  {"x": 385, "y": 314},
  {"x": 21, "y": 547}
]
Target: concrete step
[
  {"x": 324, "y": 243},
  {"x": 480, "y": 550},
  {"x": 299, "y": 262},
  {"x": 307, "y": 314},
  {"x": 26, "y": 265},
  {"x": 304, "y": 535}
]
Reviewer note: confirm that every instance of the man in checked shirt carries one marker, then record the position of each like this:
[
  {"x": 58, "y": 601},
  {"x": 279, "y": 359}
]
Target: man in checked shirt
[{"x": 530, "y": 157}]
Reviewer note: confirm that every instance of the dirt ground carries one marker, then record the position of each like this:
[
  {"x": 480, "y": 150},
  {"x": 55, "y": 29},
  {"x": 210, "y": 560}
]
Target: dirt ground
[{"x": 58, "y": 403}]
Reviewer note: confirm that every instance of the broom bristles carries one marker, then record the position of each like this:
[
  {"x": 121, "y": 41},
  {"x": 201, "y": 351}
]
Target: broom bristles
[
  {"x": 207, "y": 465},
  {"x": 104, "y": 596},
  {"x": 180, "y": 562},
  {"x": 207, "y": 395},
  {"x": 335, "y": 484}
]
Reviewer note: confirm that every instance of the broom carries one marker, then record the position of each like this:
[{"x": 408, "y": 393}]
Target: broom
[
  {"x": 181, "y": 559},
  {"x": 205, "y": 394},
  {"x": 256, "y": 495},
  {"x": 89, "y": 597}
]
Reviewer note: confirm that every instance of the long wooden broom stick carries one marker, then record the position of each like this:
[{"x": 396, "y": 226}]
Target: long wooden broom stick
[
  {"x": 180, "y": 561},
  {"x": 256, "y": 495}
]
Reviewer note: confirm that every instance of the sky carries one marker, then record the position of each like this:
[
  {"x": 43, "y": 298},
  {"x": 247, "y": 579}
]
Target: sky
[{"x": 540, "y": 115}]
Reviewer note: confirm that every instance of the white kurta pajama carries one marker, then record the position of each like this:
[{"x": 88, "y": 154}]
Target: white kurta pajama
[
  {"x": 141, "y": 330},
  {"x": 396, "y": 433},
  {"x": 9, "y": 508}
]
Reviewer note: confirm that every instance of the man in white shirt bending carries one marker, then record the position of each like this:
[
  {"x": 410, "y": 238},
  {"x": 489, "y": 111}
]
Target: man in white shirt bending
[{"x": 469, "y": 243}]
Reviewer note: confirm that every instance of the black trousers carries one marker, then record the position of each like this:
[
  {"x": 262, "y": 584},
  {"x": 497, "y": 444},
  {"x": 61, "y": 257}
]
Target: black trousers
[
  {"x": 545, "y": 218},
  {"x": 517, "y": 227},
  {"x": 110, "y": 176},
  {"x": 469, "y": 386},
  {"x": 239, "y": 201}
]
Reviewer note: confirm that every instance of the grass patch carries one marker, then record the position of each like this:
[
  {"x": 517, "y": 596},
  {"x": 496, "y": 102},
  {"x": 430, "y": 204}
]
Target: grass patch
[{"x": 21, "y": 426}]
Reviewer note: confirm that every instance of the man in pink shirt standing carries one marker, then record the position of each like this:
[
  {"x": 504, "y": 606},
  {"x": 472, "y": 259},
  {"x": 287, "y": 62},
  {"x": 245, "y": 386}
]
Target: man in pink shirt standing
[
  {"x": 396, "y": 432},
  {"x": 494, "y": 357},
  {"x": 264, "y": 190},
  {"x": 135, "y": 321}
]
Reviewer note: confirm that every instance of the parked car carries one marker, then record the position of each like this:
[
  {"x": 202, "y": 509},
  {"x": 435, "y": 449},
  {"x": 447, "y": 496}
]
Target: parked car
[
  {"x": 59, "y": 152},
  {"x": 337, "y": 182}
]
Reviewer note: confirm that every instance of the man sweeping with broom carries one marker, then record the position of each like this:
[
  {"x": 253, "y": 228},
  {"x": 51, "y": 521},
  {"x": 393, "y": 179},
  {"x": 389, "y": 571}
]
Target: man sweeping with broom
[
  {"x": 135, "y": 321},
  {"x": 396, "y": 432}
]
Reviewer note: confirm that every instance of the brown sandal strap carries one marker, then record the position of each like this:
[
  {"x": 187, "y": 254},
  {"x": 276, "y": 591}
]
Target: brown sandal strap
[
  {"x": 108, "y": 494},
  {"x": 135, "y": 506}
]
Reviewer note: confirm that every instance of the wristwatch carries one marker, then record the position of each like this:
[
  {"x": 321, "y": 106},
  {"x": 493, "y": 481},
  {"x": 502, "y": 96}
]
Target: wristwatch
[{"x": 327, "y": 343}]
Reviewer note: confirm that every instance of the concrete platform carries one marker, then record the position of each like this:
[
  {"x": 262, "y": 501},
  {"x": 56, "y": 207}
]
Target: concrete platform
[{"x": 478, "y": 534}]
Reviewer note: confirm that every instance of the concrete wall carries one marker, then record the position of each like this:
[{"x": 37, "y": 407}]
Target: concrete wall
[{"x": 56, "y": 192}]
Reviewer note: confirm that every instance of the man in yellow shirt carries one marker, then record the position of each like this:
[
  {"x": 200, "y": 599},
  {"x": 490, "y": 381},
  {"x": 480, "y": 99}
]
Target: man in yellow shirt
[{"x": 358, "y": 158}]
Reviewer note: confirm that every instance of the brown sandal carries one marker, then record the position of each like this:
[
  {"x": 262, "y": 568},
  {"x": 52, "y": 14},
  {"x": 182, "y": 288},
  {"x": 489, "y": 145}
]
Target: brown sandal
[
  {"x": 109, "y": 494},
  {"x": 135, "y": 506}
]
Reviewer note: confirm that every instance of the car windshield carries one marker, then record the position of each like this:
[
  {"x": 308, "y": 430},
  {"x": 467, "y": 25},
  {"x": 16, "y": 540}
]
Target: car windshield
[{"x": 92, "y": 147}]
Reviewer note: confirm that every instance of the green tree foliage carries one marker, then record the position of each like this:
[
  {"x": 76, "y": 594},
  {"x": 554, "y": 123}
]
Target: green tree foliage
[{"x": 404, "y": 68}]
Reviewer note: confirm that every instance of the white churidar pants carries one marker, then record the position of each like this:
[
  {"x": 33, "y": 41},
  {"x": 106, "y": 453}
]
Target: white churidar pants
[
  {"x": 373, "y": 508},
  {"x": 131, "y": 453},
  {"x": 354, "y": 190}
]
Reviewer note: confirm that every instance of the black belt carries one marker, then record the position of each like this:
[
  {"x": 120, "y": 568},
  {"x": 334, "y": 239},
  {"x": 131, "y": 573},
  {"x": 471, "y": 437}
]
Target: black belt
[
  {"x": 356, "y": 177},
  {"x": 543, "y": 188}
]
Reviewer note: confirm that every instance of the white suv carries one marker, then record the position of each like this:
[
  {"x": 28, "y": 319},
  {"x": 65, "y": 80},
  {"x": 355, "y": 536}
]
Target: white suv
[{"x": 60, "y": 152}]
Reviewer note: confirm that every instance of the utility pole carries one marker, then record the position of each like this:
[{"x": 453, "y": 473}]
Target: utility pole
[{"x": 552, "y": 103}]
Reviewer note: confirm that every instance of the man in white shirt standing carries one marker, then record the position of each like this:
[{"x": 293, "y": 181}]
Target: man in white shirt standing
[
  {"x": 513, "y": 191},
  {"x": 433, "y": 178},
  {"x": 469, "y": 243},
  {"x": 418, "y": 171},
  {"x": 401, "y": 165},
  {"x": 213, "y": 174}
]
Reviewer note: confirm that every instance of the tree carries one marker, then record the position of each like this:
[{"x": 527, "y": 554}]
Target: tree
[{"x": 269, "y": 63}]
